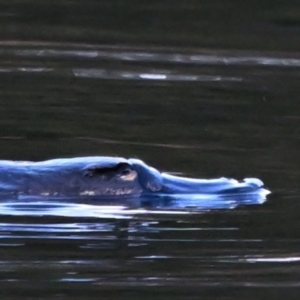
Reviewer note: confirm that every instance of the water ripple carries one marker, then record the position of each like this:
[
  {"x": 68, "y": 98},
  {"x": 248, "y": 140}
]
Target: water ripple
[
  {"x": 143, "y": 56},
  {"x": 132, "y": 75},
  {"x": 26, "y": 69},
  {"x": 272, "y": 259}
]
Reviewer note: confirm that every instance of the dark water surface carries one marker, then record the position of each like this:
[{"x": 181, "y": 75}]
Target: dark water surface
[{"x": 206, "y": 89}]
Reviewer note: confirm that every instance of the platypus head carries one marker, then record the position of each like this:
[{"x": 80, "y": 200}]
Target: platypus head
[{"x": 135, "y": 175}]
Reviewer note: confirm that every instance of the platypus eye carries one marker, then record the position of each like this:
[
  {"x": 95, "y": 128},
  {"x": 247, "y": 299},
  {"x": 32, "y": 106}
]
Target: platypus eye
[
  {"x": 123, "y": 169},
  {"x": 125, "y": 172}
]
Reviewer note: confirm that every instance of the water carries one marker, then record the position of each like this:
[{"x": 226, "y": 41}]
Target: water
[{"x": 201, "y": 90}]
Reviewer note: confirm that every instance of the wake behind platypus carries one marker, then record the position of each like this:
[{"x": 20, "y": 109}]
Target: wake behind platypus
[{"x": 112, "y": 177}]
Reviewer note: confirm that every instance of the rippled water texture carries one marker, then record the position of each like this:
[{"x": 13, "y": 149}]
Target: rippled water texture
[{"x": 206, "y": 90}]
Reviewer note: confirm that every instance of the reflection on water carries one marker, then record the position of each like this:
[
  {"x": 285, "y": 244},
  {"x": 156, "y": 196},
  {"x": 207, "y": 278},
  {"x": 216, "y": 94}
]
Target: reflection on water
[
  {"x": 197, "y": 250},
  {"x": 128, "y": 208}
]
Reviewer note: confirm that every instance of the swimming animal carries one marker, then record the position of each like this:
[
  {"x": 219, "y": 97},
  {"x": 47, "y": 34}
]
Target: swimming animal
[{"x": 107, "y": 177}]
